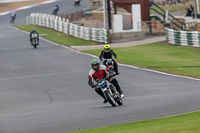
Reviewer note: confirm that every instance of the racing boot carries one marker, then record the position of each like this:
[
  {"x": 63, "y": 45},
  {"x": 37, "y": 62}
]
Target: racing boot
[{"x": 98, "y": 91}]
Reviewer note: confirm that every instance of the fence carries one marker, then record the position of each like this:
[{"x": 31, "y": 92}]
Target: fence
[
  {"x": 153, "y": 27},
  {"x": 184, "y": 38},
  {"x": 63, "y": 25}
]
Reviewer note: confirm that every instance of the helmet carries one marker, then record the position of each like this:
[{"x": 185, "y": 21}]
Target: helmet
[
  {"x": 33, "y": 31},
  {"x": 107, "y": 48},
  {"x": 95, "y": 62}
]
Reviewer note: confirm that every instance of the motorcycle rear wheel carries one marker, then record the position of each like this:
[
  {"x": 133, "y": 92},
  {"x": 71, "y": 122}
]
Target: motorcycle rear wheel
[{"x": 120, "y": 102}]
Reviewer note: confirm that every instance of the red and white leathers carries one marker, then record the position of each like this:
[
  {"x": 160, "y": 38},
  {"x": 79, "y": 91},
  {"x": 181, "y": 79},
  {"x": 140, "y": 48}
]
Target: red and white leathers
[{"x": 100, "y": 74}]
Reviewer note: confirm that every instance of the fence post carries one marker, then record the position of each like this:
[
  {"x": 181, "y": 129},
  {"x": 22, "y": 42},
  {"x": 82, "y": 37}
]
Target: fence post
[
  {"x": 150, "y": 27},
  {"x": 108, "y": 37},
  {"x": 189, "y": 38},
  {"x": 177, "y": 37}
]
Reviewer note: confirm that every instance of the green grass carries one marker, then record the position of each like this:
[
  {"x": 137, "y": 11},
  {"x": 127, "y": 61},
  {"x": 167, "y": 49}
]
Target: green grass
[
  {"x": 173, "y": 8},
  {"x": 160, "y": 56},
  {"x": 186, "y": 123},
  {"x": 56, "y": 36}
]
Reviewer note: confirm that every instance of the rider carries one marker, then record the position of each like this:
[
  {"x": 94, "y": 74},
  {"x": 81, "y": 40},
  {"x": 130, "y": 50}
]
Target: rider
[
  {"x": 13, "y": 16},
  {"x": 32, "y": 33},
  {"x": 77, "y": 2},
  {"x": 107, "y": 53},
  {"x": 99, "y": 72},
  {"x": 55, "y": 10}
]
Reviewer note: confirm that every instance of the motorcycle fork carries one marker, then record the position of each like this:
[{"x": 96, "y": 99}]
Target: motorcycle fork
[{"x": 106, "y": 89}]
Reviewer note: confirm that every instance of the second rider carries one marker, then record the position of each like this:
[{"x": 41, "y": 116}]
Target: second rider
[{"x": 107, "y": 53}]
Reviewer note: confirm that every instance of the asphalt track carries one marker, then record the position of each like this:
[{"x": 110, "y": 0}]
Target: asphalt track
[{"x": 45, "y": 90}]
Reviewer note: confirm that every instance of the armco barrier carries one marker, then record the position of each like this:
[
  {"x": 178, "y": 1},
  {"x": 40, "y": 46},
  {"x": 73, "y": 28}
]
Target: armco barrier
[
  {"x": 184, "y": 38},
  {"x": 63, "y": 25}
]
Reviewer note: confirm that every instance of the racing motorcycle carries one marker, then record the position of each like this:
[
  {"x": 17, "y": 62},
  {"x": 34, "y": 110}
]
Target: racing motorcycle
[
  {"x": 110, "y": 92},
  {"x": 34, "y": 42},
  {"x": 77, "y": 2},
  {"x": 12, "y": 18},
  {"x": 110, "y": 65},
  {"x": 55, "y": 10}
]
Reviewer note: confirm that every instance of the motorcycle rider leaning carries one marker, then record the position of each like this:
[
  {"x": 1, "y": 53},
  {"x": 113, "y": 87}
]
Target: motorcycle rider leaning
[
  {"x": 55, "y": 10},
  {"x": 107, "y": 53},
  {"x": 13, "y": 16},
  {"x": 99, "y": 72},
  {"x": 32, "y": 33}
]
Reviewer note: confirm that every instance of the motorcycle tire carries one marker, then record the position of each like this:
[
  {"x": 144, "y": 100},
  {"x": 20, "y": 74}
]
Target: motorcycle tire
[
  {"x": 35, "y": 43},
  {"x": 11, "y": 21},
  {"x": 117, "y": 96},
  {"x": 110, "y": 99}
]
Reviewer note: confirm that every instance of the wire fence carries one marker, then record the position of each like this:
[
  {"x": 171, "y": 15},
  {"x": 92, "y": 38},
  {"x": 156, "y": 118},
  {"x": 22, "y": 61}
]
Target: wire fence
[
  {"x": 153, "y": 27},
  {"x": 63, "y": 25}
]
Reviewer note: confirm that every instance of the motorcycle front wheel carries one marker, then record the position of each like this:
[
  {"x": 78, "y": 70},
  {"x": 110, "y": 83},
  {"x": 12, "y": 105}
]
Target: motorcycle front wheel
[
  {"x": 35, "y": 43},
  {"x": 110, "y": 99}
]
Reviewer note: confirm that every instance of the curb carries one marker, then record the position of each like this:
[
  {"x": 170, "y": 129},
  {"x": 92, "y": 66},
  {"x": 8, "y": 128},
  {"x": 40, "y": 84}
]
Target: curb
[
  {"x": 126, "y": 44},
  {"x": 26, "y": 7},
  {"x": 9, "y": 1}
]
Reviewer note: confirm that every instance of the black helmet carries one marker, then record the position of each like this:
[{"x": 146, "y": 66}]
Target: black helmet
[
  {"x": 33, "y": 31},
  {"x": 95, "y": 62}
]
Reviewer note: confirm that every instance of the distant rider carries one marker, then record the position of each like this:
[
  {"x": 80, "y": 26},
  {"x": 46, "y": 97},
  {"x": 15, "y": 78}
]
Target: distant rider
[
  {"x": 34, "y": 33},
  {"x": 13, "y": 16},
  {"x": 77, "y": 2},
  {"x": 107, "y": 53},
  {"x": 55, "y": 10},
  {"x": 99, "y": 72}
]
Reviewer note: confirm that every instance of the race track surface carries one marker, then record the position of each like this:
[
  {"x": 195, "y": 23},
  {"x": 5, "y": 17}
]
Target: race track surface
[{"x": 45, "y": 90}]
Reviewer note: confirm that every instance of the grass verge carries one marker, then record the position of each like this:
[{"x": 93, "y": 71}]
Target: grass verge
[
  {"x": 173, "y": 8},
  {"x": 160, "y": 56},
  {"x": 185, "y": 123},
  {"x": 56, "y": 36}
]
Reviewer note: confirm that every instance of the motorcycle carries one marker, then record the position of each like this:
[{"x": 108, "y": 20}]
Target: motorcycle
[
  {"x": 110, "y": 92},
  {"x": 12, "y": 20},
  {"x": 12, "y": 17},
  {"x": 110, "y": 65},
  {"x": 34, "y": 42},
  {"x": 55, "y": 10},
  {"x": 77, "y": 2}
]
